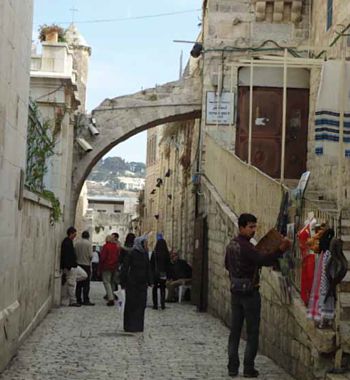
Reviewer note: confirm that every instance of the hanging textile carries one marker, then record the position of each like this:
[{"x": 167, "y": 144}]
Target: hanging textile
[
  {"x": 307, "y": 277},
  {"x": 327, "y": 115},
  {"x": 307, "y": 263},
  {"x": 320, "y": 306}
]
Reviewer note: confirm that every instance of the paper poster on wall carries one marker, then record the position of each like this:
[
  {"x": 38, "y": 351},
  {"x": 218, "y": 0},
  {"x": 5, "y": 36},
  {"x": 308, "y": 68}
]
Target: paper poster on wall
[{"x": 220, "y": 108}]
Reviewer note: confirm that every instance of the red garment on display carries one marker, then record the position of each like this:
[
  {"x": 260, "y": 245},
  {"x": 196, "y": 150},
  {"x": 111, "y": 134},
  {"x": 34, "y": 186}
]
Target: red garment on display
[
  {"x": 308, "y": 264},
  {"x": 307, "y": 277},
  {"x": 303, "y": 236}
]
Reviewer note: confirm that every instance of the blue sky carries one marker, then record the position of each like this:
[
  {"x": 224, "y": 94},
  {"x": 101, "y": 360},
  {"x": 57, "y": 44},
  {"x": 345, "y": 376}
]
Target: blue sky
[{"x": 127, "y": 55}]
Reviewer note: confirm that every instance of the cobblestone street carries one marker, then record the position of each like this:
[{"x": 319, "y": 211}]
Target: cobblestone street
[{"x": 88, "y": 343}]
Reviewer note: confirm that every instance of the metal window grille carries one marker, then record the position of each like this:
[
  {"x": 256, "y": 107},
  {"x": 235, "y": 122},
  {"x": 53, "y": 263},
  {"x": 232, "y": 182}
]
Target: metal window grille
[{"x": 329, "y": 13}]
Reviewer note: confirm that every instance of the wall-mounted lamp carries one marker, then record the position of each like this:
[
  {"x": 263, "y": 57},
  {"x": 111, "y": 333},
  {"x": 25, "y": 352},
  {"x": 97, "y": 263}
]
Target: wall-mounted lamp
[
  {"x": 159, "y": 182},
  {"x": 196, "y": 50},
  {"x": 156, "y": 216},
  {"x": 84, "y": 144},
  {"x": 93, "y": 121},
  {"x": 170, "y": 196},
  {"x": 153, "y": 191},
  {"x": 168, "y": 173}
]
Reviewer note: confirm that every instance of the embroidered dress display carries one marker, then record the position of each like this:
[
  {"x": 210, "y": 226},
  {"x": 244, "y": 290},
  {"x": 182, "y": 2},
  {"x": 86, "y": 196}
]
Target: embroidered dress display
[{"x": 321, "y": 308}]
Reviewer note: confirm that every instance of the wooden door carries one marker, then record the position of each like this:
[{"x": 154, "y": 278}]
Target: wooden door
[
  {"x": 267, "y": 129},
  {"x": 199, "y": 291}
]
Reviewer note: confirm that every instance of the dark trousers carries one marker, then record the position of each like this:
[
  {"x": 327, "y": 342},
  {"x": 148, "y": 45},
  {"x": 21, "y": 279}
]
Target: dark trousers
[
  {"x": 94, "y": 276},
  {"x": 244, "y": 307},
  {"x": 83, "y": 286},
  {"x": 158, "y": 283}
]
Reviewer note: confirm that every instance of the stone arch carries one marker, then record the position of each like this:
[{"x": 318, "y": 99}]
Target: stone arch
[{"x": 119, "y": 118}]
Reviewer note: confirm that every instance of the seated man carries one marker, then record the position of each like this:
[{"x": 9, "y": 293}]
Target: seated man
[{"x": 180, "y": 274}]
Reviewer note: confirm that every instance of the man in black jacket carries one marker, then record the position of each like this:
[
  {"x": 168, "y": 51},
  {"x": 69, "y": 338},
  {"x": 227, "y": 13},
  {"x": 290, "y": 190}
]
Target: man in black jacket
[
  {"x": 243, "y": 262},
  {"x": 180, "y": 274},
  {"x": 71, "y": 271}
]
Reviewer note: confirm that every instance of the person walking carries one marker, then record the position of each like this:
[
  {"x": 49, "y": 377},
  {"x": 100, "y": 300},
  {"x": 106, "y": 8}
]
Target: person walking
[
  {"x": 243, "y": 261},
  {"x": 68, "y": 263},
  {"x": 135, "y": 278},
  {"x": 94, "y": 264},
  {"x": 160, "y": 266},
  {"x": 108, "y": 267},
  {"x": 83, "y": 250}
]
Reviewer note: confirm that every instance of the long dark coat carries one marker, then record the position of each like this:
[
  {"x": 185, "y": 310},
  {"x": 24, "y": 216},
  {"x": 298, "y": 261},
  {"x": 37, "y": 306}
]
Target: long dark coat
[{"x": 135, "y": 277}]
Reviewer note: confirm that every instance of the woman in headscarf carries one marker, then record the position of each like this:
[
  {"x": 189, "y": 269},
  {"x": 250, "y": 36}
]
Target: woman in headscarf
[
  {"x": 135, "y": 278},
  {"x": 160, "y": 267},
  {"x": 126, "y": 248}
]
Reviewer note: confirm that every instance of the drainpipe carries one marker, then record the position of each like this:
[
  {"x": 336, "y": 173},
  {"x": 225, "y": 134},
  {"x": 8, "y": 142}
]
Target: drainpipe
[
  {"x": 284, "y": 115},
  {"x": 250, "y": 112},
  {"x": 342, "y": 95}
]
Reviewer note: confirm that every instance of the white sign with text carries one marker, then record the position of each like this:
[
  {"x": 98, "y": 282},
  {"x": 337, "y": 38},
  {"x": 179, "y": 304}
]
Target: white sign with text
[{"x": 220, "y": 108}]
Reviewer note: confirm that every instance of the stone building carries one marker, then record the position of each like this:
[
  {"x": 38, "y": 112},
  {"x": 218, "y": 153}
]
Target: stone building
[
  {"x": 15, "y": 26},
  {"x": 169, "y": 193},
  {"x": 261, "y": 64},
  {"x": 32, "y": 227}
]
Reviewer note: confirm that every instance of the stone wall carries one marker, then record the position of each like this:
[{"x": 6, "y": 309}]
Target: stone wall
[
  {"x": 229, "y": 30},
  {"x": 174, "y": 200},
  {"x": 287, "y": 336},
  {"x": 38, "y": 258},
  {"x": 322, "y": 37},
  {"x": 15, "y": 47}
]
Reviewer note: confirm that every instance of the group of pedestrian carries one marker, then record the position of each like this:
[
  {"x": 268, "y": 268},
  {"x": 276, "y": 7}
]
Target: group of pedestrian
[
  {"x": 81, "y": 263},
  {"x": 131, "y": 267},
  {"x": 72, "y": 273}
]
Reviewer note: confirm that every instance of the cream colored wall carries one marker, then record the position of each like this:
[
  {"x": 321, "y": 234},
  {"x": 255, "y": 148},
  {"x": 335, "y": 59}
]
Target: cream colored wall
[
  {"x": 244, "y": 188},
  {"x": 322, "y": 37},
  {"x": 15, "y": 47}
]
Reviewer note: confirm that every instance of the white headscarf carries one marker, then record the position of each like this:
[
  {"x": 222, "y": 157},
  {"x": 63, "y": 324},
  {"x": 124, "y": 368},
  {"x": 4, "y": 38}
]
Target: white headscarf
[{"x": 138, "y": 243}]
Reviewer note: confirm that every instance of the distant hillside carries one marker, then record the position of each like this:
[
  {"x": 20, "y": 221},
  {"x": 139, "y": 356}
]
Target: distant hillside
[{"x": 110, "y": 167}]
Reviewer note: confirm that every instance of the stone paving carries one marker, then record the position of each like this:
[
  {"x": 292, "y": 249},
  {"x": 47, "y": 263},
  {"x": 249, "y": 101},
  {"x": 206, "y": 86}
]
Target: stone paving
[{"x": 88, "y": 343}]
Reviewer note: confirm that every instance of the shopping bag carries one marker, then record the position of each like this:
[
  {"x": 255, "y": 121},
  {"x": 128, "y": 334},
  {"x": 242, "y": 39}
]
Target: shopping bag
[{"x": 120, "y": 293}]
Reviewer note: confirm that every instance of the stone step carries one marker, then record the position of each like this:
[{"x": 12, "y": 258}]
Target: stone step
[
  {"x": 331, "y": 376},
  {"x": 347, "y": 255},
  {"x": 345, "y": 223},
  {"x": 346, "y": 242},
  {"x": 345, "y": 284},
  {"x": 344, "y": 300},
  {"x": 345, "y": 230}
]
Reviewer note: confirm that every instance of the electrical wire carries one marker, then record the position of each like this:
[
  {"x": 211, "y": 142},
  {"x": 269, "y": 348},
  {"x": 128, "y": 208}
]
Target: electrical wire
[{"x": 95, "y": 21}]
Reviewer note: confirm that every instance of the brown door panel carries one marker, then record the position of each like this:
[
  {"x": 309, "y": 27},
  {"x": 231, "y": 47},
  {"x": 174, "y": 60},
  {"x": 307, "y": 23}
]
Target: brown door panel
[
  {"x": 267, "y": 129},
  {"x": 296, "y": 132}
]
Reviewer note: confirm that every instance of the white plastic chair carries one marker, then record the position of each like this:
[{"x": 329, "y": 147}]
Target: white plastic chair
[{"x": 182, "y": 290}]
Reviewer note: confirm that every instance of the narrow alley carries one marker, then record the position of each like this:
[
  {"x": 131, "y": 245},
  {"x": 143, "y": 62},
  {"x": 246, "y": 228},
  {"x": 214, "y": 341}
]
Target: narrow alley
[{"x": 89, "y": 343}]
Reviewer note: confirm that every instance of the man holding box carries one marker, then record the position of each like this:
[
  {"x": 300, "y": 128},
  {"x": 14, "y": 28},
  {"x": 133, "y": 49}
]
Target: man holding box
[{"x": 243, "y": 262}]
